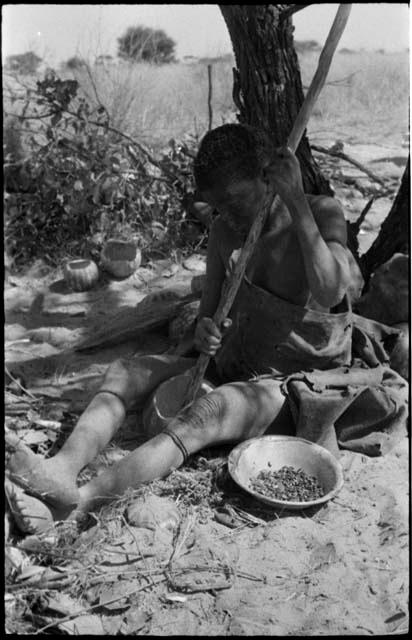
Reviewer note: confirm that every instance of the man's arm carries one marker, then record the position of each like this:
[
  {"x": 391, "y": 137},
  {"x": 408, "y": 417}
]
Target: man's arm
[
  {"x": 215, "y": 275},
  {"x": 322, "y": 240},
  {"x": 208, "y": 336},
  {"x": 323, "y": 244}
]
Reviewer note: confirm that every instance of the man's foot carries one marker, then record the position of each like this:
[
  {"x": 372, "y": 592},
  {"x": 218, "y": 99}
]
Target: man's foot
[
  {"x": 30, "y": 514},
  {"x": 39, "y": 477}
]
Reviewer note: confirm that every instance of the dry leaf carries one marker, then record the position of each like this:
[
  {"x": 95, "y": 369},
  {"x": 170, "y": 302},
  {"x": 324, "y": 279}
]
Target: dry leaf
[
  {"x": 63, "y": 604},
  {"x": 113, "y": 624},
  {"x": 30, "y": 572},
  {"x": 83, "y": 625},
  {"x": 174, "y": 597},
  {"x": 324, "y": 554},
  {"x": 116, "y": 590},
  {"x": 152, "y": 512},
  {"x": 135, "y": 620},
  {"x": 34, "y": 437}
]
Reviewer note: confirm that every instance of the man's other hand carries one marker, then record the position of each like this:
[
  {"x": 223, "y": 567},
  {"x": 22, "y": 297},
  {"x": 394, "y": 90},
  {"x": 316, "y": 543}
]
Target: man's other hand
[
  {"x": 284, "y": 174},
  {"x": 208, "y": 336}
]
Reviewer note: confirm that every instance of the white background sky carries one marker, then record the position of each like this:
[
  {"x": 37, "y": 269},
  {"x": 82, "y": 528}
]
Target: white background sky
[{"x": 57, "y": 32}]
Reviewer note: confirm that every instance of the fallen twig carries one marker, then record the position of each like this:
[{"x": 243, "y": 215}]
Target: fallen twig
[
  {"x": 86, "y": 610},
  {"x": 182, "y": 537},
  {"x": 344, "y": 156},
  {"x": 18, "y": 384},
  {"x": 142, "y": 557},
  {"x": 357, "y": 225}
]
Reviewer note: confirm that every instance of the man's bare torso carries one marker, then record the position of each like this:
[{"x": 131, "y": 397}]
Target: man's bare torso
[{"x": 277, "y": 262}]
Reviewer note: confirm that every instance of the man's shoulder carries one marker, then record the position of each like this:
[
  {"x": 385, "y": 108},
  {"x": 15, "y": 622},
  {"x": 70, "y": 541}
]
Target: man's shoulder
[
  {"x": 325, "y": 207},
  {"x": 329, "y": 217},
  {"x": 322, "y": 205}
]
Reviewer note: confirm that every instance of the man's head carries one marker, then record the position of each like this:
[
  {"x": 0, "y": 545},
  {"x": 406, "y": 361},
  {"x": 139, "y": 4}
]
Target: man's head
[{"x": 229, "y": 171}]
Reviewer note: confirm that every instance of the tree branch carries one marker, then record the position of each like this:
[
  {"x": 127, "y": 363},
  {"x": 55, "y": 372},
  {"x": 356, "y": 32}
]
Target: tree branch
[
  {"x": 344, "y": 156},
  {"x": 37, "y": 117},
  {"x": 293, "y": 8},
  {"x": 138, "y": 145},
  {"x": 339, "y": 81}
]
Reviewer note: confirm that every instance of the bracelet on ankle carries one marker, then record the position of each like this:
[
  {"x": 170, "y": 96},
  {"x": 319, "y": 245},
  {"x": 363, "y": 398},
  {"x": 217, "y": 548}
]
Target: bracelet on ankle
[
  {"x": 113, "y": 393},
  {"x": 179, "y": 444}
]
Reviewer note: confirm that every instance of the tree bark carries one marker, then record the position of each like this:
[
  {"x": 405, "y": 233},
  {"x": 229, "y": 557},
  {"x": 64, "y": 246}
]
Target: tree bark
[
  {"x": 267, "y": 86},
  {"x": 268, "y": 92},
  {"x": 394, "y": 234}
]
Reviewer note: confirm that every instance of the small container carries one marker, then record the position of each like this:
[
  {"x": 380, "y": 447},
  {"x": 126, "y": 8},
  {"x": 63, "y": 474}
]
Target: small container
[
  {"x": 249, "y": 458},
  {"x": 120, "y": 258},
  {"x": 81, "y": 274},
  {"x": 166, "y": 402}
]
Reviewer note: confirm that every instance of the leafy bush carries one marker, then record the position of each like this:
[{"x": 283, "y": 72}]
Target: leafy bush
[
  {"x": 74, "y": 63},
  {"x": 146, "y": 44},
  {"x": 82, "y": 181},
  {"x": 24, "y": 63}
]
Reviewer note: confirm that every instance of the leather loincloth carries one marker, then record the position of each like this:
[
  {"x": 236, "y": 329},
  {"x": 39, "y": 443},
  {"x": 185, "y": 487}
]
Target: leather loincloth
[
  {"x": 334, "y": 369},
  {"x": 270, "y": 335}
]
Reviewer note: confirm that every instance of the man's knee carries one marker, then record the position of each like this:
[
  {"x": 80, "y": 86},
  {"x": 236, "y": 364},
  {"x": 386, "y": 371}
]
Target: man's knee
[
  {"x": 205, "y": 413},
  {"x": 129, "y": 378},
  {"x": 133, "y": 379},
  {"x": 224, "y": 414}
]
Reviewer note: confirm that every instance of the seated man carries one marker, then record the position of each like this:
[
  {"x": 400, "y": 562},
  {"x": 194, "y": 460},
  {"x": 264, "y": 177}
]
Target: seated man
[{"x": 285, "y": 321}]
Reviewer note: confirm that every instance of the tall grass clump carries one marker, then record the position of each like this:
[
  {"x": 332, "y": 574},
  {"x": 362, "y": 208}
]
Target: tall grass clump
[
  {"x": 367, "y": 93},
  {"x": 157, "y": 102},
  {"x": 81, "y": 180}
]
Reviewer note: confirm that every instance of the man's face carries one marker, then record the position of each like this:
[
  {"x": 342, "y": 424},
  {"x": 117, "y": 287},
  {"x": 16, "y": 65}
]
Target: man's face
[{"x": 238, "y": 202}]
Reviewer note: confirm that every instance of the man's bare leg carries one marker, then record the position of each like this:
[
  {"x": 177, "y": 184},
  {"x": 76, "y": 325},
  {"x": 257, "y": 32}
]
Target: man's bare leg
[
  {"x": 233, "y": 412},
  {"x": 125, "y": 383}
]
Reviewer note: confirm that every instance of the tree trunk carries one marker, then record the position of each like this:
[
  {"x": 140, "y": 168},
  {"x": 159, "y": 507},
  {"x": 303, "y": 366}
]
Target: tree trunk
[
  {"x": 268, "y": 93},
  {"x": 394, "y": 233},
  {"x": 267, "y": 84}
]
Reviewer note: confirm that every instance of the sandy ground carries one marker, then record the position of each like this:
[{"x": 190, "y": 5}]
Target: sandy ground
[{"x": 341, "y": 570}]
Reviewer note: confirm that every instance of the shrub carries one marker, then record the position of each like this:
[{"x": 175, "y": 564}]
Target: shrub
[
  {"x": 23, "y": 63},
  {"x": 82, "y": 182},
  {"x": 74, "y": 63},
  {"x": 146, "y": 44}
]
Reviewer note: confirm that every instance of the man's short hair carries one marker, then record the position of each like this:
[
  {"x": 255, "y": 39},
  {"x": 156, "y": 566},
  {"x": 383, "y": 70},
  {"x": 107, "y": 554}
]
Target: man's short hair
[{"x": 235, "y": 151}]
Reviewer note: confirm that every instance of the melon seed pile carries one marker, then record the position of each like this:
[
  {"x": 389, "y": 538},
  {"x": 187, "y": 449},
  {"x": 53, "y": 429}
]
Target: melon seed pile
[{"x": 287, "y": 484}]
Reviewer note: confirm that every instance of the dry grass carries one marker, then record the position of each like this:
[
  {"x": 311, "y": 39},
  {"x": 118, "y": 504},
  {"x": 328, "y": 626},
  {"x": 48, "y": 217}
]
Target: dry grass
[
  {"x": 156, "y": 103},
  {"x": 371, "y": 105}
]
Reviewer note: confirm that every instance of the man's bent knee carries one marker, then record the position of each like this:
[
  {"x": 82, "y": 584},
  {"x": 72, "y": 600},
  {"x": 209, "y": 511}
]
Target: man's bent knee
[
  {"x": 200, "y": 423},
  {"x": 232, "y": 412},
  {"x": 133, "y": 379}
]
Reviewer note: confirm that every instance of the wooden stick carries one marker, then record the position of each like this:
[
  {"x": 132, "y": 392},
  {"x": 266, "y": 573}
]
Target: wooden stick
[
  {"x": 231, "y": 285},
  {"x": 209, "y": 96}
]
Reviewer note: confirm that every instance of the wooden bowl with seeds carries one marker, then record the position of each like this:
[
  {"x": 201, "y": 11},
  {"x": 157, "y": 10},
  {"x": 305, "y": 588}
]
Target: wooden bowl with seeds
[{"x": 286, "y": 472}]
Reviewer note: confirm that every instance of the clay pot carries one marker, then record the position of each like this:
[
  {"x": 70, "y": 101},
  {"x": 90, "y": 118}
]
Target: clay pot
[
  {"x": 166, "y": 402},
  {"x": 120, "y": 258},
  {"x": 399, "y": 356},
  {"x": 81, "y": 275}
]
